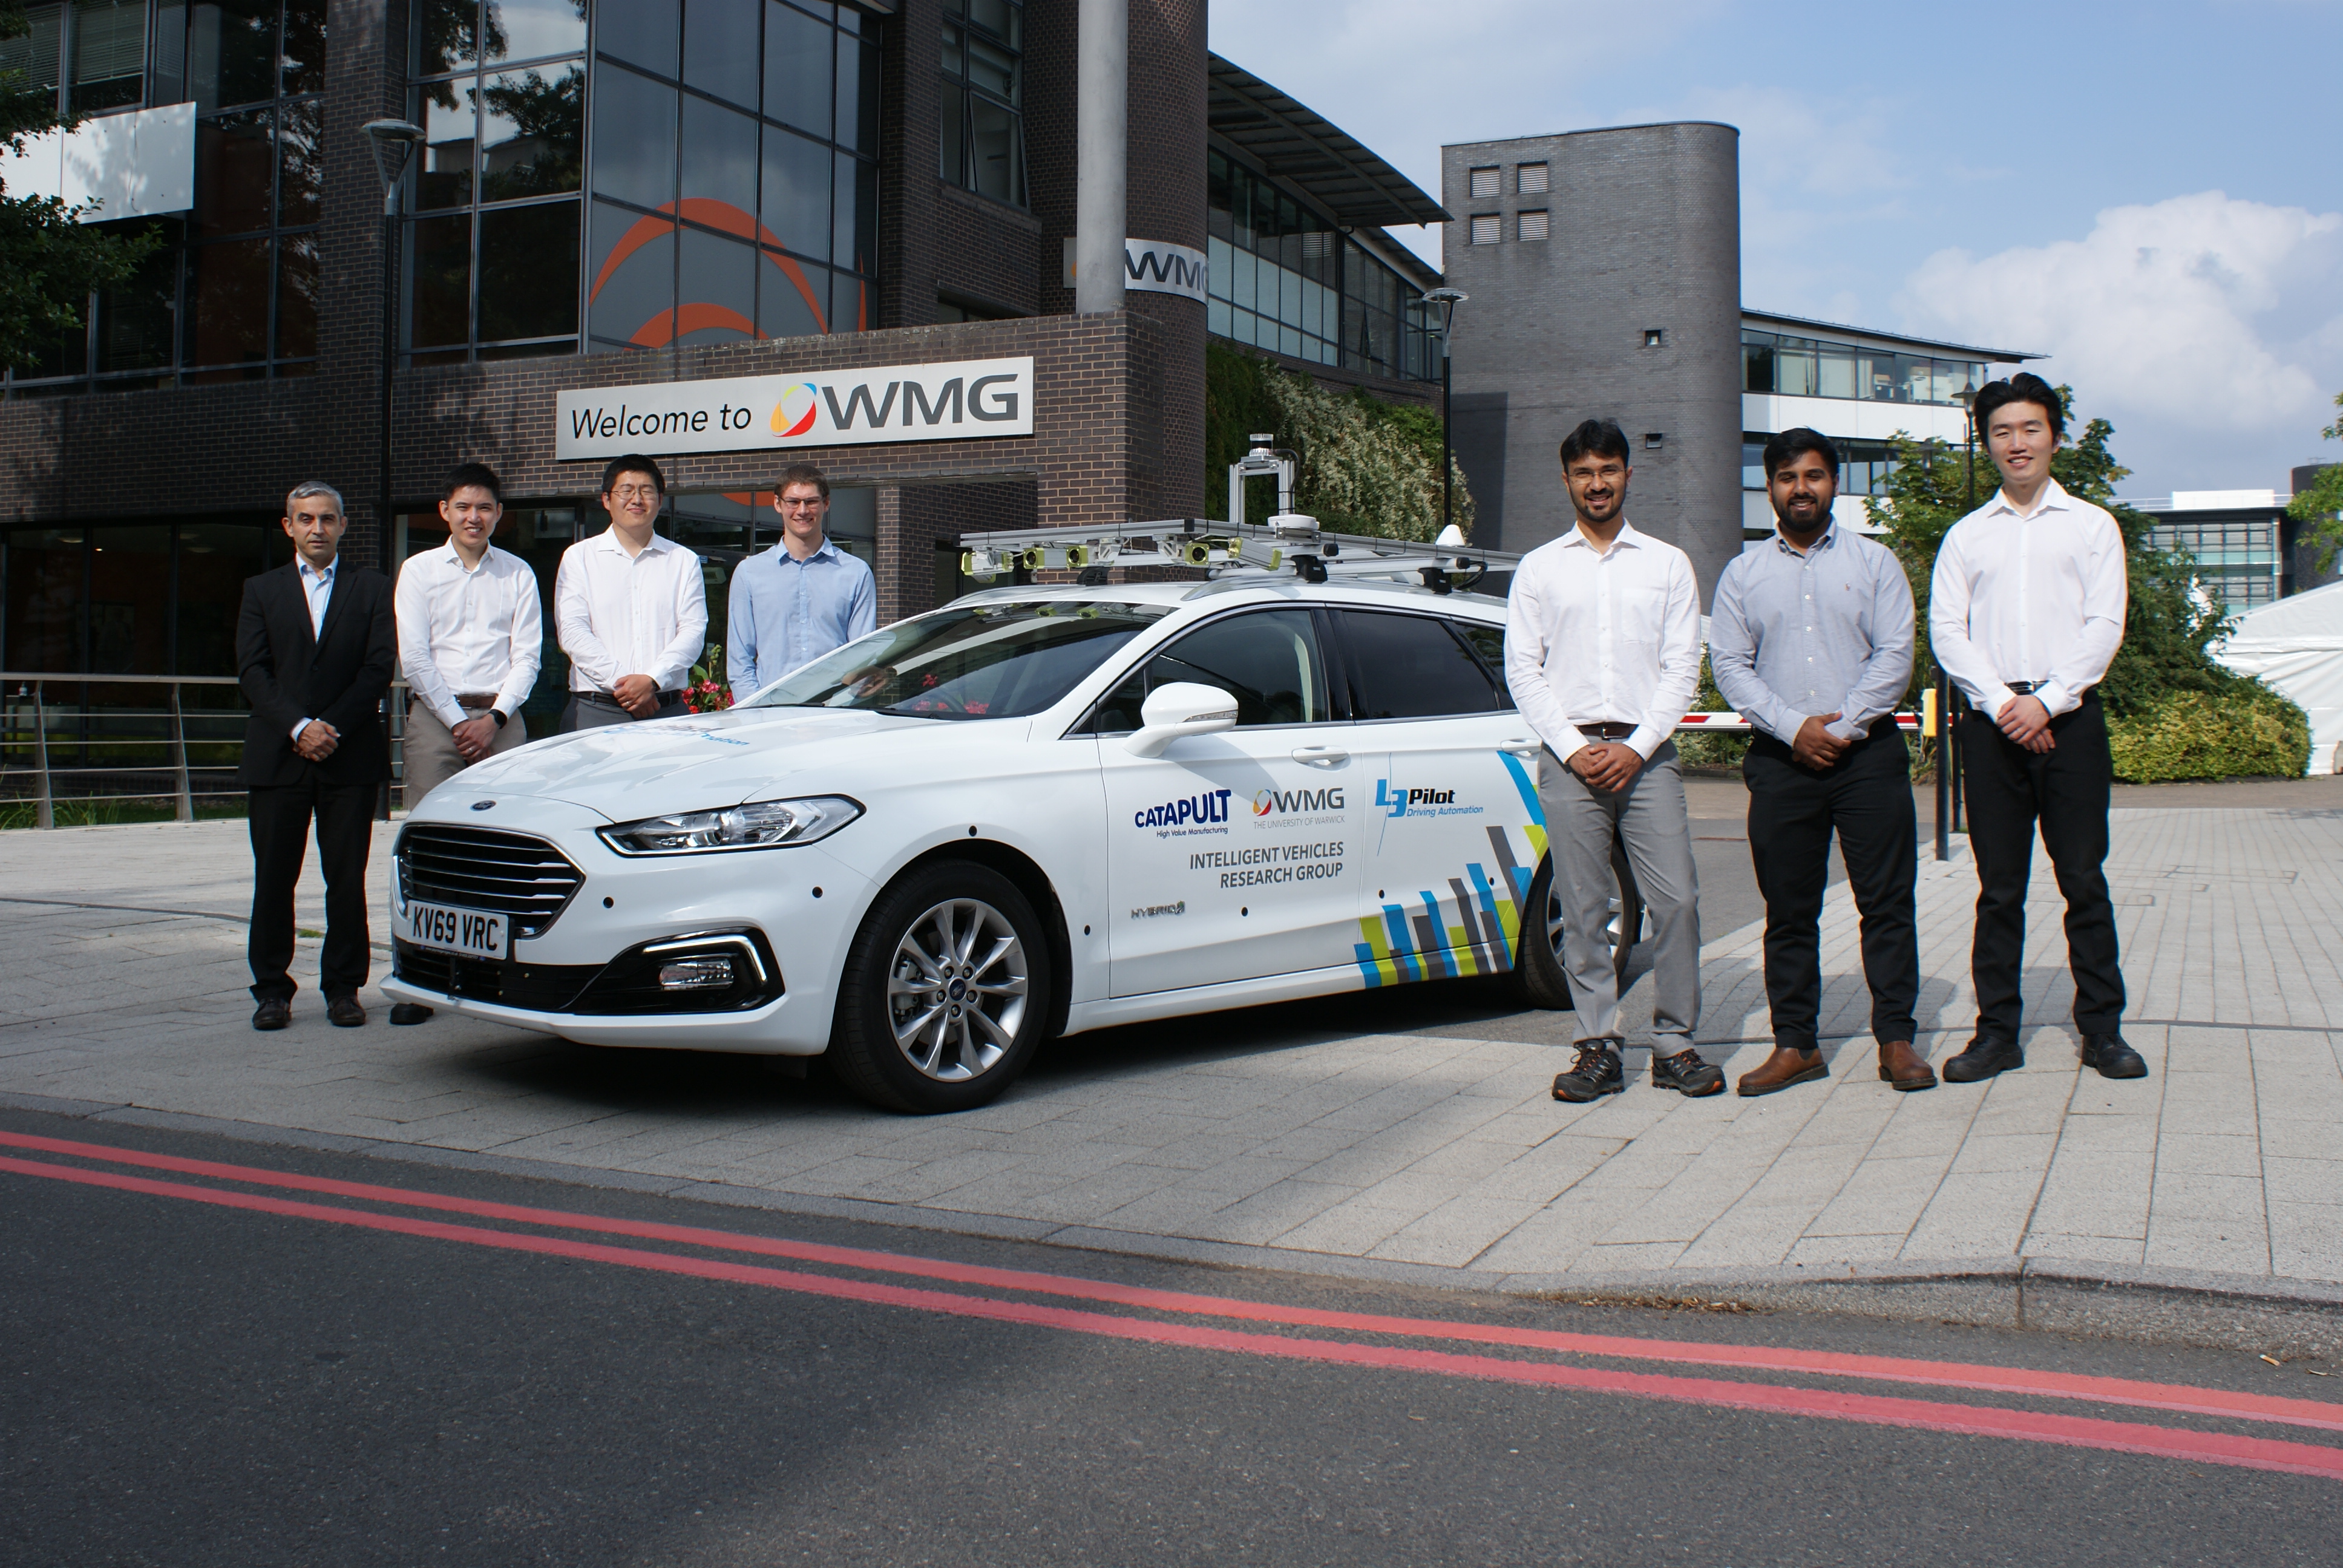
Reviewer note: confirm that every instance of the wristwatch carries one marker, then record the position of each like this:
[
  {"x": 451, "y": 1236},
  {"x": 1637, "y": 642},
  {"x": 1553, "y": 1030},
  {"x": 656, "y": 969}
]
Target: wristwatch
[{"x": 498, "y": 714}]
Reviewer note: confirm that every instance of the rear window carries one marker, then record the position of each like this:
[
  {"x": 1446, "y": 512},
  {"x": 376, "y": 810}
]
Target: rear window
[
  {"x": 1413, "y": 667},
  {"x": 973, "y": 661}
]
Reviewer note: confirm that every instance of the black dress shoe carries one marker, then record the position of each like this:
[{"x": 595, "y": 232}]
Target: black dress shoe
[
  {"x": 344, "y": 1012},
  {"x": 1982, "y": 1060},
  {"x": 1687, "y": 1074},
  {"x": 2112, "y": 1057},
  {"x": 408, "y": 1012},
  {"x": 273, "y": 1013},
  {"x": 1594, "y": 1074}
]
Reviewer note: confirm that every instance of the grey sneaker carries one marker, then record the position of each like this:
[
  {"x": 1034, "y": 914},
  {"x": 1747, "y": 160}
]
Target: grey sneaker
[{"x": 1594, "y": 1074}]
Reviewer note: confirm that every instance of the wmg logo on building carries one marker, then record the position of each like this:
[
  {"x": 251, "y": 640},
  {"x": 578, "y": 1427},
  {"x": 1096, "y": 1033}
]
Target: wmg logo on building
[
  {"x": 1155, "y": 267},
  {"x": 947, "y": 402}
]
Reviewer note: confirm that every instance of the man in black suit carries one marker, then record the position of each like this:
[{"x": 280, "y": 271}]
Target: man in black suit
[{"x": 315, "y": 649}]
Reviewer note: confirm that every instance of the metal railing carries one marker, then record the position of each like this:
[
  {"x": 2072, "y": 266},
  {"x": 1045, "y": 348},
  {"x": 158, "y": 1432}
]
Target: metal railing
[{"x": 81, "y": 751}]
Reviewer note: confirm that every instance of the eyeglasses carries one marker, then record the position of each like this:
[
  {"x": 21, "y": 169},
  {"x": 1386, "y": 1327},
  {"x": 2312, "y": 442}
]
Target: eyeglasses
[
  {"x": 795, "y": 503},
  {"x": 637, "y": 492}
]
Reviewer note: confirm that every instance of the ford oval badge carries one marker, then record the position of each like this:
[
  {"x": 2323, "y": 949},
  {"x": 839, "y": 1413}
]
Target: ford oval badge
[{"x": 482, "y": 805}]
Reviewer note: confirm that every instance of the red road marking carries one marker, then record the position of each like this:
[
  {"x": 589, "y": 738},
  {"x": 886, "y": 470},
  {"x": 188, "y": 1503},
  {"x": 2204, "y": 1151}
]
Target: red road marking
[
  {"x": 1983, "y": 1421},
  {"x": 2178, "y": 1397}
]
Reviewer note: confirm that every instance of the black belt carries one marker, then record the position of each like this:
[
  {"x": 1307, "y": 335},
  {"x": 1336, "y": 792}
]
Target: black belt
[
  {"x": 2029, "y": 688},
  {"x": 1605, "y": 730},
  {"x": 604, "y": 700}
]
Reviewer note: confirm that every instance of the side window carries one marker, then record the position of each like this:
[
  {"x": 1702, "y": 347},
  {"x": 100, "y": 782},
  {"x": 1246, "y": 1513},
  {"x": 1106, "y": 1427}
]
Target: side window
[
  {"x": 1413, "y": 667},
  {"x": 1489, "y": 642},
  {"x": 1268, "y": 659}
]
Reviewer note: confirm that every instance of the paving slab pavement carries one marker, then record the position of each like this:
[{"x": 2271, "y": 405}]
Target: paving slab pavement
[{"x": 1412, "y": 1130}]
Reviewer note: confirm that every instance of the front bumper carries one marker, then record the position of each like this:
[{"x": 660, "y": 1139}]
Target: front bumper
[{"x": 586, "y": 976}]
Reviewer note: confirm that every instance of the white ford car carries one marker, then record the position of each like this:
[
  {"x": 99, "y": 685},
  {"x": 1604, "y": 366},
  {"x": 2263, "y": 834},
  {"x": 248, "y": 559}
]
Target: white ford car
[{"x": 1032, "y": 812}]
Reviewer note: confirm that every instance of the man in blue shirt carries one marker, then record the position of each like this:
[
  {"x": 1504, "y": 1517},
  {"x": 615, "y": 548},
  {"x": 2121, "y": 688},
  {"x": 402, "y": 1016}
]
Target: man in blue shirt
[
  {"x": 1811, "y": 642},
  {"x": 800, "y": 599}
]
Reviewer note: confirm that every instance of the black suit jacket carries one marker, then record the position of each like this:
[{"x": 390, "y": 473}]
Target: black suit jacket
[{"x": 339, "y": 675}]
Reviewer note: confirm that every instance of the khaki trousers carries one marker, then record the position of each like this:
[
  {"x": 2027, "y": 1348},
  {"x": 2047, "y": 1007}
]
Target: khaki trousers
[{"x": 431, "y": 758}]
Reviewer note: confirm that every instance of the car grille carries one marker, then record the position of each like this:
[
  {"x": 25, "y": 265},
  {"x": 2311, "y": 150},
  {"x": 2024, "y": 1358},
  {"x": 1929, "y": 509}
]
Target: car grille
[{"x": 509, "y": 874}]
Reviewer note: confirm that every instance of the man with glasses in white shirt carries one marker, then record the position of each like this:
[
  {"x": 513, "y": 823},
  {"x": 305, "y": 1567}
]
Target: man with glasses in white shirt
[
  {"x": 2026, "y": 611},
  {"x": 800, "y": 600},
  {"x": 1603, "y": 654},
  {"x": 631, "y": 607}
]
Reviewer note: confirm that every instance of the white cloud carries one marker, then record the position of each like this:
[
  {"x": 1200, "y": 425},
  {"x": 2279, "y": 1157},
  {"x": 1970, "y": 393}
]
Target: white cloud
[{"x": 2200, "y": 313}]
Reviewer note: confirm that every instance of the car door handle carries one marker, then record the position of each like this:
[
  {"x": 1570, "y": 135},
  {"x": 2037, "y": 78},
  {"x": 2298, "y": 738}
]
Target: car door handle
[
  {"x": 1520, "y": 746},
  {"x": 1320, "y": 755}
]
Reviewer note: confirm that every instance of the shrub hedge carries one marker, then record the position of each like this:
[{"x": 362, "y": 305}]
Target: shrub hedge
[{"x": 2248, "y": 731}]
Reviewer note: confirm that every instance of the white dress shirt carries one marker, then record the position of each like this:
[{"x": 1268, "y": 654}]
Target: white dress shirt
[
  {"x": 1604, "y": 637},
  {"x": 620, "y": 615},
  {"x": 318, "y": 587},
  {"x": 471, "y": 631},
  {"x": 2036, "y": 597}
]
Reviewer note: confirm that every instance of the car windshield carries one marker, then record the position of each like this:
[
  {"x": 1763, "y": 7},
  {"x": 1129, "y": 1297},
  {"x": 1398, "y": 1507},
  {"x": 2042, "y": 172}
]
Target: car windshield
[{"x": 970, "y": 662}]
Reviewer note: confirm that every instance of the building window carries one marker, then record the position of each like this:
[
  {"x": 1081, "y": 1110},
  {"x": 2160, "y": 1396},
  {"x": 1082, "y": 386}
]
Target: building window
[
  {"x": 2238, "y": 561},
  {"x": 1864, "y": 466},
  {"x": 231, "y": 295},
  {"x": 1809, "y": 367},
  {"x": 1488, "y": 227},
  {"x": 1534, "y": 225},
  {"x": 1530, "y": 179},
  {"x": 980, "y": 135},
  {"x": 92, "y": 54},
  {"x": 733, "y": 173},
  {"x": 1485, "y": 183},
  {"x": 491, "y": 251},
  {"x": 1284, "y": 277}
]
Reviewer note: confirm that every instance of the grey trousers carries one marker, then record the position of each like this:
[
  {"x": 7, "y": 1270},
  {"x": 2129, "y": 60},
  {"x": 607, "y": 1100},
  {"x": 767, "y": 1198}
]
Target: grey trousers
[
  {"x": 582, "y": 715},
  {"x": 1649, "y": 818},
  {"x": 427, "y": 753}
]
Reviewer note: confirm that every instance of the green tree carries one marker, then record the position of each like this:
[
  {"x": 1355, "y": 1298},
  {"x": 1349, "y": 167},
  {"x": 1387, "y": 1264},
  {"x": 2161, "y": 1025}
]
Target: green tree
[
  {"x": 2319, "y": 508},
  {"x": 49, "y": 260},
  {"x": 1367, "y": 467}
]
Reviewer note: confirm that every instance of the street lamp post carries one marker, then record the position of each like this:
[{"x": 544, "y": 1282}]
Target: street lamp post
[
  {"x": 1439, "y": 312},
  {"x": 1948, "y": 796},
  {"x": 393, "y": 143}
]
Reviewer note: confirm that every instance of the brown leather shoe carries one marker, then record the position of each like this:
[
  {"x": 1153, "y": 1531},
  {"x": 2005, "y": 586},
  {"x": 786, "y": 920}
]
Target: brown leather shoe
[
  {"x": 1904, "y": 1068},
  {"x": 1785, "y": 1067}
]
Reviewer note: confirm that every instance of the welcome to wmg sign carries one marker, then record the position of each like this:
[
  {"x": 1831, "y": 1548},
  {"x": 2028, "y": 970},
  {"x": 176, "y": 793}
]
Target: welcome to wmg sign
[{"x": 949, "y": 402}]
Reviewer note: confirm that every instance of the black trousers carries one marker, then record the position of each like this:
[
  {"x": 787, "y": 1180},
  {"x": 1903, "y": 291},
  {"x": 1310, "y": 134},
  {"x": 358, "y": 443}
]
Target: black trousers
[
  {"x": 2009, "y": 790},
  {"x": 279, "y": 819},
  {"x": 1793, "y": 811}
]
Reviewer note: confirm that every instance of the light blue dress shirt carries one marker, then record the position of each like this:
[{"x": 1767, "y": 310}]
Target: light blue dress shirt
[
  {"x": 1792, "y": 636},
  {"x": 318, "y": 587},
  {"x": 785, "y": 612}
]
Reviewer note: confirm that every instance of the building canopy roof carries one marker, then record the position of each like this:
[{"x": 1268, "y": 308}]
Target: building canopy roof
[
  {"x": 1802, "y": 325},
  {"x": 1298, "y": 144}
]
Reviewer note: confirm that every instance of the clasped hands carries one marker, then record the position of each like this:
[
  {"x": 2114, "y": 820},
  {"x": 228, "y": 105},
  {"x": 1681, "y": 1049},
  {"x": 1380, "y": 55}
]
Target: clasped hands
[
  {"x": 316, "y": 740},
  {"x": 638, "y": 694},
  {"x": 1608, "y": 766},
  {"x": 474, "y": 737},
  {"x": 2025, "y": 720}
]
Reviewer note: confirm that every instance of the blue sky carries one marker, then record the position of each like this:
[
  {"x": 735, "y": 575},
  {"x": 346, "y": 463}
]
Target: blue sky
[{"x": 2152, "y": 194}]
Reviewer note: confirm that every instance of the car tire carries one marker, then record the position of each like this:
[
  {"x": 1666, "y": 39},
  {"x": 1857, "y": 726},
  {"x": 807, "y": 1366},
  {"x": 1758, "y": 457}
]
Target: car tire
[
  {"x": 912, "y": 1034},
  {"x": 1538, "y": 977}
]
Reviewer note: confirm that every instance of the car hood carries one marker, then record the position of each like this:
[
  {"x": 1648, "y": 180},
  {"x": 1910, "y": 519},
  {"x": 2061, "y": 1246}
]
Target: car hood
[{"x": 627, "y": 772}]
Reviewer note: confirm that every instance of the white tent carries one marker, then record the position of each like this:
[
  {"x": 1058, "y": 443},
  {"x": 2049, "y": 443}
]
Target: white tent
[{"x": 2295, "y": 646}]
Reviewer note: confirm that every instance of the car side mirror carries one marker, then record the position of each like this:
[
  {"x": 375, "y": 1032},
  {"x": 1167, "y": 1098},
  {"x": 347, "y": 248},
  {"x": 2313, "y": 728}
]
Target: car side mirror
[{"x": 1182, "y": 708}]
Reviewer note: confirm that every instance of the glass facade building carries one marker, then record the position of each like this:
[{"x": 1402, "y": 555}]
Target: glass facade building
[
  {"x": 2240, "y": 556},
  {"x": 230, "y": 291},
  {"x": 1793, "y": 366},
  {"x": 1285, "y": 278}
]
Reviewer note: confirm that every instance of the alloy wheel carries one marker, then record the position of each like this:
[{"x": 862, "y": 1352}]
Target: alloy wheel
[{"x": 957, "y": 990}]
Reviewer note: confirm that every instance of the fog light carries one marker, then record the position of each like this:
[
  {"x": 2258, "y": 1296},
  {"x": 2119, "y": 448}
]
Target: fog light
[{"x": 696, "y": 974}]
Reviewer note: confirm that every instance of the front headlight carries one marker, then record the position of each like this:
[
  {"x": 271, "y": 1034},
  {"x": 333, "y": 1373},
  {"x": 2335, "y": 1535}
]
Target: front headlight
[{"x": 758, "y": 825}]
